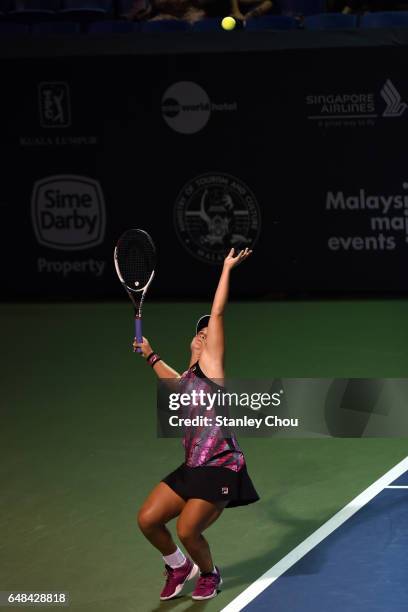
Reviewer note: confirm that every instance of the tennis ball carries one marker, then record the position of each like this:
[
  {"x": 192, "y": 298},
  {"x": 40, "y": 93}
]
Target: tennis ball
[{"x": 228, "y": 23}]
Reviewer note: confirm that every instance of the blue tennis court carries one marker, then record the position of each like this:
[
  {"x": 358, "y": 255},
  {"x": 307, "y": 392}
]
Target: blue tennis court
[{"x": 355, "y": 562}]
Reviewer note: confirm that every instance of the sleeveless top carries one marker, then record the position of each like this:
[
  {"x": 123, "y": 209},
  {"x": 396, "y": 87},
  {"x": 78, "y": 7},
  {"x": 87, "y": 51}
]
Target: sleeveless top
[{"x": 207, "y": 446}]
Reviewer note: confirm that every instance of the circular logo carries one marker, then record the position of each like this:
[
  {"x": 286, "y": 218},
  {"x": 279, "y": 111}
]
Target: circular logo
[
  {"x": 215, "y": 212},
  {"x": 186, "y": 107}
]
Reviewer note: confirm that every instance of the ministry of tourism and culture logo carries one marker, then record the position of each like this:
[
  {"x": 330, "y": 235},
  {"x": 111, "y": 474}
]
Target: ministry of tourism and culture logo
[
  {"x": 347, "y": 108},
  {"x": 186, "y": 107},
  {"x": 54, "y": 105},
  {"x": 214, "y": 212}
]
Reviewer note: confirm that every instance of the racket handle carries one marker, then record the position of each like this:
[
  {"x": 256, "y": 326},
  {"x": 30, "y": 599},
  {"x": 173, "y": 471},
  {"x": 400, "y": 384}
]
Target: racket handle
[{"x": 138, "y": 333}]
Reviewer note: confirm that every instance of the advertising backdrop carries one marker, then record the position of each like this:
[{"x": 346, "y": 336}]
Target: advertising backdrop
[{"x": 266, "y": 149}]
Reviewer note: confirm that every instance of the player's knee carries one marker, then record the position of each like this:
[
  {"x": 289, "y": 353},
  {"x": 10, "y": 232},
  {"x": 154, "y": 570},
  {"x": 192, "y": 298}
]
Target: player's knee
[
  {"x": 186, "y": 534},
  {"x": 145, "y": 520}
]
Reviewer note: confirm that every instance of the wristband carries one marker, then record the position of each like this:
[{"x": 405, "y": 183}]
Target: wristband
[{"x": 153, "y": 358}]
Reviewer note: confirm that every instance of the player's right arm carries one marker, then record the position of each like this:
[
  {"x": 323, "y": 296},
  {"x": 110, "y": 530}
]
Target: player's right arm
[{"x": 161, "y": 369}]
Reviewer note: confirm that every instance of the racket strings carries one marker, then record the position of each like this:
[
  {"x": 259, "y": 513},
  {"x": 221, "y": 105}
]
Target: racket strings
[{"x": 136, "y": 258}]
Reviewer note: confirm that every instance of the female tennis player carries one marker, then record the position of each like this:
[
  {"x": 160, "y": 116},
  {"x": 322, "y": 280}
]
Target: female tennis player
[{"x": 213, "y": 475}]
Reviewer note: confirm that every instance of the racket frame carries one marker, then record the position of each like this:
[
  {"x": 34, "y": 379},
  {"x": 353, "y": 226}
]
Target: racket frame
[{"x": 138, "y": 304}]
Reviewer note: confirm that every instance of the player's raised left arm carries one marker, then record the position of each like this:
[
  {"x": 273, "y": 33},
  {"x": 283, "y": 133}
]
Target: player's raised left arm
[{"x": 214, "y": 349}]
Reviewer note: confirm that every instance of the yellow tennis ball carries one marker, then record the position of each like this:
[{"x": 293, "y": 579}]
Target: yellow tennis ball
[{"x": 228, "y": 23}]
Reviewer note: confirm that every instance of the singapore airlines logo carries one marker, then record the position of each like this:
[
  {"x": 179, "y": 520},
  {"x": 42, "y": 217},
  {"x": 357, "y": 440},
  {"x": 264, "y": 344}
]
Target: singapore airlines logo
[
  {"x": 395, "y": 107},
  {"x": 356, "y": 108}
]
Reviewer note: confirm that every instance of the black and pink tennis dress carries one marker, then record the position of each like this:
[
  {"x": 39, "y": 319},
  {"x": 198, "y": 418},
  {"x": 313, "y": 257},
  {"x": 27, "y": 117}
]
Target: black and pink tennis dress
[{"x": 214, "y": 468}]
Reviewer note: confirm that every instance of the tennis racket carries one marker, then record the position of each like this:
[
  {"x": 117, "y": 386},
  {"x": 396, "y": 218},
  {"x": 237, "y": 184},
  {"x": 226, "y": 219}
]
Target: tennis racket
[{"x": 135, "y": 260}]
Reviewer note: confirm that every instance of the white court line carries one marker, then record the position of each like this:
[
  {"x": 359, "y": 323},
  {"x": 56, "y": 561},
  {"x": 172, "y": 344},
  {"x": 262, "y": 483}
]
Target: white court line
[
  {"x": 315, "y": 538},
  {"x": 397, "y": 487}
]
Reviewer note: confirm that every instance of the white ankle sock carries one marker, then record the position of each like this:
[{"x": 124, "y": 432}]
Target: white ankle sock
[{"x": 176, "y": 559}]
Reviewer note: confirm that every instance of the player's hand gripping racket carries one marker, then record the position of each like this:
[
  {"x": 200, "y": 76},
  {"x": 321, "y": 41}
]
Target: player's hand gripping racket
[{"x": 135, "y": 260}]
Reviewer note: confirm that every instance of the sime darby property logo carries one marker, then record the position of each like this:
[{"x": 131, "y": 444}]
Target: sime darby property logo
[
  {"x": 54, "y": 104},
  {"x": 68, "y": 212}
]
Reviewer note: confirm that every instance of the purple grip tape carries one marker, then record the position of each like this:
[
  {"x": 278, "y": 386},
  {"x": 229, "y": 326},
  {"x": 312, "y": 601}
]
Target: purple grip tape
[{"x": 138, "y": 332}]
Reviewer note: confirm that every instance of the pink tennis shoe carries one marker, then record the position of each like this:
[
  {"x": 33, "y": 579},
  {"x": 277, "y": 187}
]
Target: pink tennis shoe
[
  {"x": 207, "y": 585},
  {"x": 176, "y": 579}
]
